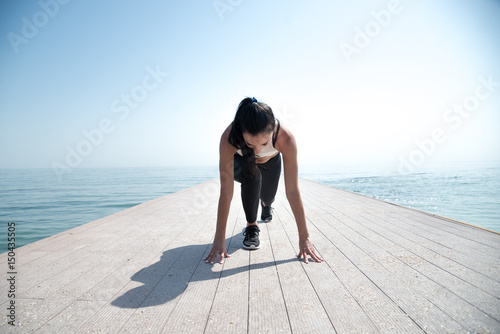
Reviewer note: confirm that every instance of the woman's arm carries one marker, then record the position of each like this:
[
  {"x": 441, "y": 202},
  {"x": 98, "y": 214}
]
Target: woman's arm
[
  {"x": 288, "y": 148},
  {"x": 226, "y": 171}
]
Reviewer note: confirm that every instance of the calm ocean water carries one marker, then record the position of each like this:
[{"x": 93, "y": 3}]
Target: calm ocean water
[
  {"x": 468, "y": 192},
  {"x": 41, "y": 205}
]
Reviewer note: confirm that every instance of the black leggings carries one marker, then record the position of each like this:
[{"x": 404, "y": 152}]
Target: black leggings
[{"x": 263, "y": 186}]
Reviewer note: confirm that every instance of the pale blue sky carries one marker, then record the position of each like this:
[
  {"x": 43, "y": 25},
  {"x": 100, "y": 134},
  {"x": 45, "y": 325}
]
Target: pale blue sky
[{"x": 68, "y": 68}]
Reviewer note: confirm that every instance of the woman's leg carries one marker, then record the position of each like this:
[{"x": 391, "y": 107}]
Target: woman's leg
[
  {"x": 271, "y": 172},
  {"x": 250, "y": 189}
]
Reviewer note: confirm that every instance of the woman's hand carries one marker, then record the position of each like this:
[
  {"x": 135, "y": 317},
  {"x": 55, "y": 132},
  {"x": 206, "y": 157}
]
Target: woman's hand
[
  {"x": 218, "y": 248},
  {"x": 306, "y": 248}
]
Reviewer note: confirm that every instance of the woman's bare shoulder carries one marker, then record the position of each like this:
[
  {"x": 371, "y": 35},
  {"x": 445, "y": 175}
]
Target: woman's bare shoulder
[
  {"x": 285, "y": 139},
  {"x": 224, "y": 139},
  {"x": 225, "y": 134}
]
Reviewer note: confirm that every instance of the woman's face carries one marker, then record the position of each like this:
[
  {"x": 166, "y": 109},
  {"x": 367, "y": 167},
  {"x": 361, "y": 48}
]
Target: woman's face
[{"x": 258, "y": 142}]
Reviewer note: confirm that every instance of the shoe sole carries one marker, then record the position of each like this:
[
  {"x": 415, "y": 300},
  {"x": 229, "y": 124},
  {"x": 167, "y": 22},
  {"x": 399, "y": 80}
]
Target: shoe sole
[{"x": 251, "y": 247}]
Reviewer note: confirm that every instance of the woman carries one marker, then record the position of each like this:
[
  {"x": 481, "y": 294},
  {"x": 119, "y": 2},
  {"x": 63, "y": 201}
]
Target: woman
[{"x": 250, "y": 153}]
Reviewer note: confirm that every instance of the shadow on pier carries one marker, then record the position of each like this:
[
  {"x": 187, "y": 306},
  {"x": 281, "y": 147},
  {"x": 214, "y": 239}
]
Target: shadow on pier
[{"x": 168, "y": 278}]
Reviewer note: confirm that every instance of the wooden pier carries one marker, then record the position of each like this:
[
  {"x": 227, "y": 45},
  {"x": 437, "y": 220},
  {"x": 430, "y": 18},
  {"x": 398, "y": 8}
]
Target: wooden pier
[{"x": 388, "y": 269}]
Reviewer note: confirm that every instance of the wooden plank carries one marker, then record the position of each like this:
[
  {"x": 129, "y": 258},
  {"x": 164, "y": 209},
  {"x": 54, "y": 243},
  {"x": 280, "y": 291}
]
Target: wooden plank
[
  {"x": 433, "y": 229},
  {"x": 379, "y": 265},
  {"x": 72, "y": 317},
  {"x": 56, "y": 261},
  {"x": 449, "y": 226},
  {"x": 140, "y": 290},
  {"x": 149, "y": 297},
  {"x": 394, "y": 225},
  {"x": 434, "y": 275},
  {"x": 75, "y": 289},
  {"x": 154, "y": 312},
  {"x": 305, "y": 310},
  {"x": 267, "y": 311},
  {"x": 388, "y": 269},
  {"x": 474, "y": 271},
  {"x": 70, "y": 251},
  {"x": 191, "y": 313},
  {"x": 346, "y": 314},
  {"x": 467, "y": 314},
  {"x": 86, "y": 258},
  {"x": 229, "y": 312},
  {"x": 400, "y": 226},
  {"x": 120, "y": 271},
  {"x": 480, "y": 265},
  {"x": 383, "y": 312}
]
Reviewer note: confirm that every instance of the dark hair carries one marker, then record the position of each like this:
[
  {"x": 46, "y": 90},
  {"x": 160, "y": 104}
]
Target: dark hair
[{"x": 252, "y": 117}]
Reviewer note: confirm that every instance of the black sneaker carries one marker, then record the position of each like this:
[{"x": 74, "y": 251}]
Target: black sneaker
[
  {"x": 266, "y": 213},
  {"x": 251, "y": 234}
]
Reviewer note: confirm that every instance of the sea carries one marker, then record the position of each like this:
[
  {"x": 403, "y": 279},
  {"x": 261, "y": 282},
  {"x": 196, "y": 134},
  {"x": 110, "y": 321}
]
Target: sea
[{"x": 40, "y": 204}]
